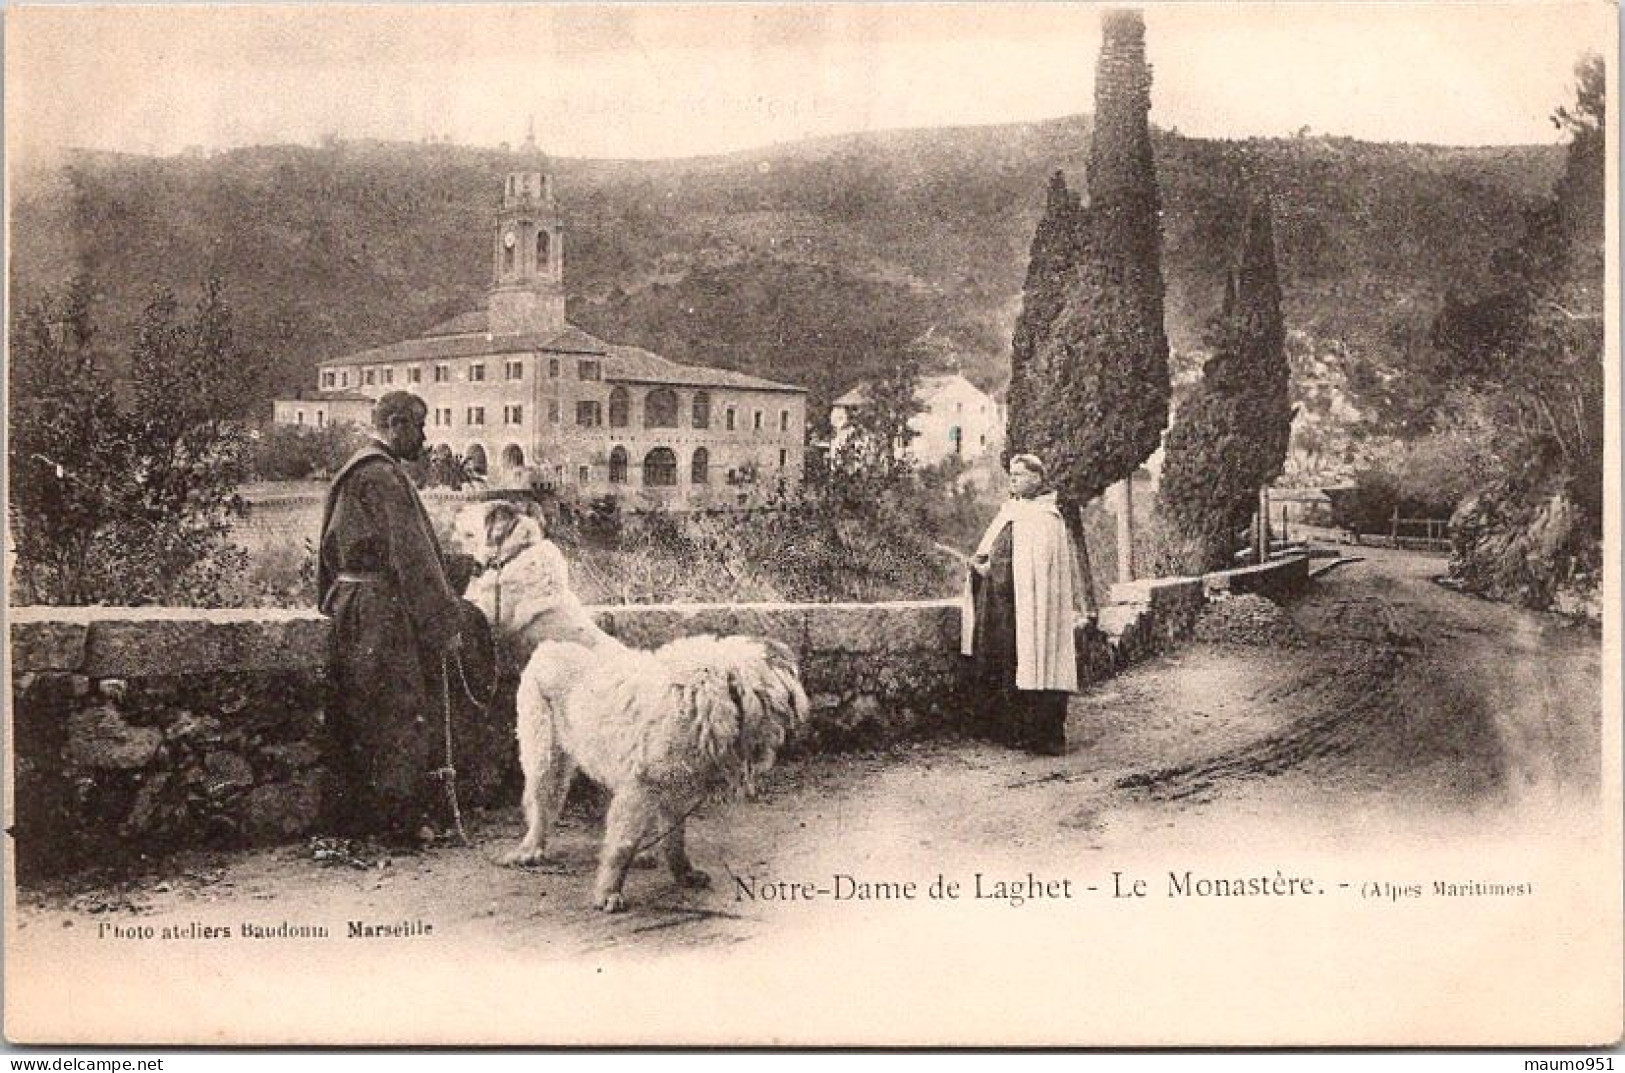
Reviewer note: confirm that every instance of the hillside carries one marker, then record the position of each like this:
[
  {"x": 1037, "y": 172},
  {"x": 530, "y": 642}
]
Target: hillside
[{"x": 808, "y": 262}]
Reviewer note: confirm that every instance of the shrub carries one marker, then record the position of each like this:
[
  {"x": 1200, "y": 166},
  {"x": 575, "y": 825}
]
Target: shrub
[
  {"x": 300, "y": 452},
  {"x": 127, "y": 499}
]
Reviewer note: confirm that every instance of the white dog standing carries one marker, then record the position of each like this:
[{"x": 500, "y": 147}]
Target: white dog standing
[{"x": 663, "y": 731}]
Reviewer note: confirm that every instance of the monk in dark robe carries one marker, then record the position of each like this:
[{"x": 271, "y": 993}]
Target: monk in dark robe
[
  {"x": 381, "y": 578},
  {"x": 1020, "y": 615}
]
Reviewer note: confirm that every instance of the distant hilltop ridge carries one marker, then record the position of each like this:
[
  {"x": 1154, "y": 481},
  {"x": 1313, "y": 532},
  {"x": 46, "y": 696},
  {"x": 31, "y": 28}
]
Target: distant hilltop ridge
[{"x": 806, "y": 262}]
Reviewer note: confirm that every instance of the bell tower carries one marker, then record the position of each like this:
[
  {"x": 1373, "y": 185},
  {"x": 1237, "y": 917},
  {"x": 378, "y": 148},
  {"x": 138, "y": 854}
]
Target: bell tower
[{"x": 527, "y": 281}]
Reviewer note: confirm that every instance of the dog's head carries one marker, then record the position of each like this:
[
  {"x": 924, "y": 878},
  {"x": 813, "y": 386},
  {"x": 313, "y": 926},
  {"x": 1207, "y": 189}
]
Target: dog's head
[{"x": 496, "y": 527}]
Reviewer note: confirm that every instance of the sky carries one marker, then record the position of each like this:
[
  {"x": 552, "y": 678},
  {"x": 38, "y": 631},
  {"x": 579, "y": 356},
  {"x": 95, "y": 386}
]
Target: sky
[{"x": 645, "y": 80}]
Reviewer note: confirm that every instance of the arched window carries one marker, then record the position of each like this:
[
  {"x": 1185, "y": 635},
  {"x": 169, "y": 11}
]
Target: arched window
[
  {"x": 512, "y": 456},
  {"x": 620, "y": 408},
  {"x": 507, "y": 257},
  {"x": 617, "y": 466},
  {"x": 700, "y": 469},
  {"x": 660, "y": 408},
  {"x": 476, "y": 458},
  {"x": 541, "y": 249},
  {"x": 702, "y": 409},
  {"x": 660, "y": 468}
]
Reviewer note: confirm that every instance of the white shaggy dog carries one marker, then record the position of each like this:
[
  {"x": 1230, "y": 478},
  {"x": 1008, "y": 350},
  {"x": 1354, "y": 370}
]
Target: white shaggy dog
[{"x": 663, "y": 731}]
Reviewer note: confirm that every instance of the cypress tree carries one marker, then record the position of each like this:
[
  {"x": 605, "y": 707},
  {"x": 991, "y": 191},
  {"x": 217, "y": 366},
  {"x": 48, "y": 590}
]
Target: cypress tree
[
  {"x": 1096, "y": 395},
  {"x": 1231, "y": 438},
  {"x": 1049, "y": 267}
]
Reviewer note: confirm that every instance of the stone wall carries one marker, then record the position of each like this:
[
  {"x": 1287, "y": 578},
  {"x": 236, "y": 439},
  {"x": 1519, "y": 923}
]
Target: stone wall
[
  {"x": 138, "y": 730},
  {"x": 875, "y": 673},
  {"x": 1279, "y": 580}
]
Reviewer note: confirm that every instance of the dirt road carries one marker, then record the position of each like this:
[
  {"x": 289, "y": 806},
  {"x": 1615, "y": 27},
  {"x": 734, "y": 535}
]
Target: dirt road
[{"x": 1408, "y": 711}]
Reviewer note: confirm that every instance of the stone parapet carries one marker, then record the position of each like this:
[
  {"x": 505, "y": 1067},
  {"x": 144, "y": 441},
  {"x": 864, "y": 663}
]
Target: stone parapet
[
  {"x": 138, "y": 730},
  {"x": 1278, "y": 580},
  {"x": 139, "y": 642}
]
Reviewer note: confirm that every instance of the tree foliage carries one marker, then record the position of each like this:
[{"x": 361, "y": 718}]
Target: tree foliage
[
  {"x": 1529, "y": 356},
  {"x": 1092, "y": 398},
  {"x": 303, "y": 452},
  {"x": 1050, "y": 265},
  {"x": 872, "y": 454},
  {"x": 65, "y": 447},
  {"x": 444, "y": 468},
  {"x": 1231, "y": 438},
  {"x": 126, "y": 497}
]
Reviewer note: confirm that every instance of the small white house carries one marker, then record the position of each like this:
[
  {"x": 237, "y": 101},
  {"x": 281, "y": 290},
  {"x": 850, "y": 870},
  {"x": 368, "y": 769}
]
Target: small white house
[{"x": 958, "y": 420}]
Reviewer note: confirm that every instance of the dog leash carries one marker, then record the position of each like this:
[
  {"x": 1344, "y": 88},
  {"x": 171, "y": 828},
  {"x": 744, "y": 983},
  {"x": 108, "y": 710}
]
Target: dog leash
[
  {"x": 448, "y": 773},
  {"x": 651, "y": 843}
]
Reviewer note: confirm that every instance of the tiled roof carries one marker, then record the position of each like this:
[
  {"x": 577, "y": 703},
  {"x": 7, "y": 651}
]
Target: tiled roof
[
  {"x": 926, "y": 387},
  {"x": 465, "y": 337},
  {"x": 636, "y": 365},
  {"x": 571, "y": 340},
  {"x": 308, "y": 395},
  {"x": 462, "y": 324}
]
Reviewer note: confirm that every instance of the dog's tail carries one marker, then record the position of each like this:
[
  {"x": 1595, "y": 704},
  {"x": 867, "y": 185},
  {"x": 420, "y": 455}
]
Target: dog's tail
[{"x": 741, "y": 698}]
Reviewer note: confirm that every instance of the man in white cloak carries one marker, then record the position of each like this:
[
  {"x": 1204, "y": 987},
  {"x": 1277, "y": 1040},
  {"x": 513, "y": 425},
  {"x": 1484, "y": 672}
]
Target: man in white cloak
[{"x": 1020, "y": 611}]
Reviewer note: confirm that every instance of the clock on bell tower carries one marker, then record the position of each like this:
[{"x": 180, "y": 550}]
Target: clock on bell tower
[{"x": 527, "y": 287}]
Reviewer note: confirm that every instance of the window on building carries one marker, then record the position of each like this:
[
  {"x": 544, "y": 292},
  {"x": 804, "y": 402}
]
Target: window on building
[
  {"x": 701, "y": 415},
  {"x": 617, "y": 466},
  {"x": 321, "y": 419},
  {"x": 541, "y": 249},
  {"x": 589, "y": 413},
  {"x": 476, "y": 458},
  {"x": 553, "y": 411},
  {"x": 389, "y": 376},
  {"x": 784, "y": 458},
  {"x": 442, "y": 373},
  {"x": 415, "y": 374},
  {"x": 327, "y": 380},
  {"x": 660, "y": 468},
  {"x": 514, "y": 370},
  {"x": 584, "y": 474},
  {"x": 784, "y": 420},
  {"x": 512, "y": 456},
  {"x": 699, "y": 471},
  {"x": 955, "y": 435},
  {"x": 731, "y": 419},
  {"x": 513, "y": 415},
  {"x": 344, "y": 378},
  {"x": 476, "y": 415},
  {"x": 620, "y": 408},
  {"x": 553, "y": 368},
  {"x": 589, "y": 370},
  {"x": 371, "y": 378},
  {"x": 660, "y": 408},
  {"x": 299, "y": 417},
  {"x": 507, "y": 256},
  {"x": 476, "y": 371},
  {"x": 757, "y": 424}
]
